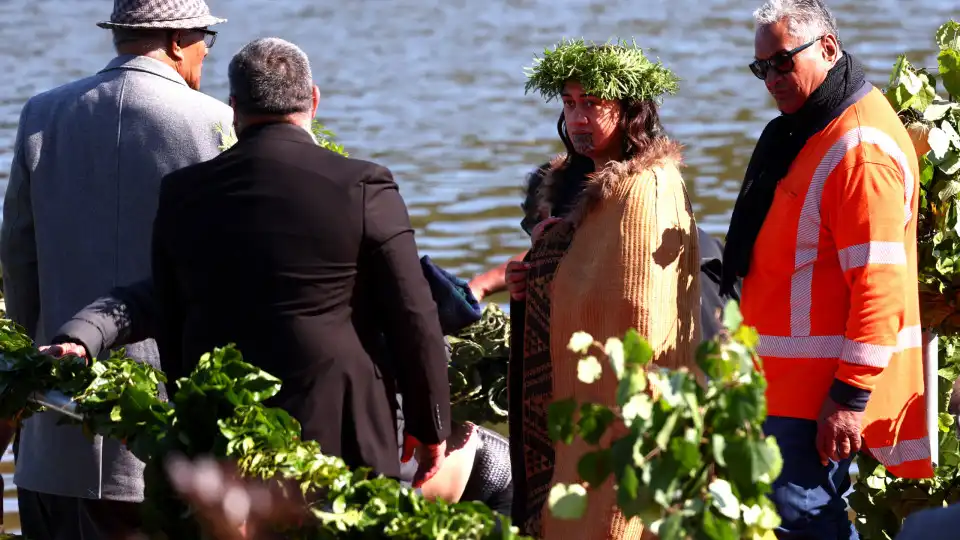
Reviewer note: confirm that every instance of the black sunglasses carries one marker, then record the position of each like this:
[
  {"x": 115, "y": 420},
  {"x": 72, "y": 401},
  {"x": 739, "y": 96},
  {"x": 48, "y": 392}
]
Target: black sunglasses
[
  {"x": 781, "y": 62},
  {"x": 209, "y": 36}
]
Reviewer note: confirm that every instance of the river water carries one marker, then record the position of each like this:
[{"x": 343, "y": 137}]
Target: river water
[{"x": 433, "y": 89}]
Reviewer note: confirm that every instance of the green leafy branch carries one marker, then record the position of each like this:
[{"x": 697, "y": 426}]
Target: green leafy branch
[
  {"x": 934, "y": 125},
  {"x": 881, "y": 500},
  {"x": 694, "y": 462},
  {"x": 218, "y": 410}
]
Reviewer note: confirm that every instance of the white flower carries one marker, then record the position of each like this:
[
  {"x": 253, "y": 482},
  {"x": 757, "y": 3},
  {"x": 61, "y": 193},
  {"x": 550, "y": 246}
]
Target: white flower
[
  {"x": 589, "y": 370},
  {"x": 580, "y": 342},
  {"x": 639, "y": 406},
  {"x": 614, "y": 350}
]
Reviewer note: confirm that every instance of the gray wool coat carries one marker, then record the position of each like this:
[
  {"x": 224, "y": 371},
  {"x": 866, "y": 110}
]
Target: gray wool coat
[{"x": 77, "y": 221}]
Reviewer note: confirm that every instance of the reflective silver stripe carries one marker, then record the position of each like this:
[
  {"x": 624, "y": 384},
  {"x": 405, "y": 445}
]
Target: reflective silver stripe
[
  {"x": 861, "y": 255},
  {"x": 910, "y": 337},
  {"x": 800, "y": 346},
  {"x": 808, "y": 227},
  {"x": 872, "y": 135},
  {"x": 837, "y": 347},
  {"x": 867, "y": 354},
  {"x": 903, "y": 451}
]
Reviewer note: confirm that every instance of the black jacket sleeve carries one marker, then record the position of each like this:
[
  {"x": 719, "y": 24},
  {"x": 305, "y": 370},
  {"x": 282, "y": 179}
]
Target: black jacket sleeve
[
  {"x": 411, "y": 324},
  {"x": 125, "y": 315}
]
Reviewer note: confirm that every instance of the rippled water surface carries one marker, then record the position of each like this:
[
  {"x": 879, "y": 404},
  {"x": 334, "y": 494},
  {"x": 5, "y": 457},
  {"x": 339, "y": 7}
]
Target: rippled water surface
[{"x": 434, "y": 90}]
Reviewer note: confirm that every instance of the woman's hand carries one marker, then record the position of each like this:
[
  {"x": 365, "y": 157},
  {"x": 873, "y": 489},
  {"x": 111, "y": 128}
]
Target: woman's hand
[{"x": 517, "y": 279}]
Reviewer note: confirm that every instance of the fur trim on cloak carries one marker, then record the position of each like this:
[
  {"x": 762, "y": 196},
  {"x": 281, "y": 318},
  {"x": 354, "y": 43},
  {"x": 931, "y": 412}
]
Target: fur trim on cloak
[{"x": 662, "y": 151}]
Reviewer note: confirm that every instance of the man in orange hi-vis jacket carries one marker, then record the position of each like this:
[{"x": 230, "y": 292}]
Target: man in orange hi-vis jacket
[{"x": 824, "y": 236}]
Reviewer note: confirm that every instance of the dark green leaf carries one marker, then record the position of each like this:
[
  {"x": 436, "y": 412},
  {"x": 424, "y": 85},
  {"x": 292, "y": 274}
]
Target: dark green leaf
[
  {"x": 561, "y": 426},
  {"x": 718, "y": 528},
  {"x": 594, "y": 421},
  {"x": 671, "y": 528},
  {"x": 666, "y": 431},
  {"x": 595, "y": 467},
  {"x": 665, "y": 480},
  {"x": 627, "y": 483},
  {"x": 686, "y": 453}
]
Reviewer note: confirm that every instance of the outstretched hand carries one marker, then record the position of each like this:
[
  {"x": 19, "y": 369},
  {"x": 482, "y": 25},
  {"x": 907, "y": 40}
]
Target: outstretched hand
[{"x": 60, "y": 350}]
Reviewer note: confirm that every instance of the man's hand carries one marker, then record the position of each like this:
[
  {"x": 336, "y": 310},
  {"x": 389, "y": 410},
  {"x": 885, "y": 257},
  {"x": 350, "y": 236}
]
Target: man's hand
[
  {"x": 429, "y": 458},
  {"x": 838, "y": 432},
  {"x": 517, "y": 279},
  {"x": 63, "y": 349}
]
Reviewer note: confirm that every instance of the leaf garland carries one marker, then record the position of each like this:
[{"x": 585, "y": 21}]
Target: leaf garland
[
  {"x": 613, "y": 71},
  {"x": 478, "y": 369}
]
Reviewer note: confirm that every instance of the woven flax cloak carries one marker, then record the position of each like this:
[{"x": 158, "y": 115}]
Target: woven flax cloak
[{"x": 630, "y": 261}]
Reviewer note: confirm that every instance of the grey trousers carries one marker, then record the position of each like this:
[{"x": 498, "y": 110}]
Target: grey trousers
[{"x": 52, "y": 517}]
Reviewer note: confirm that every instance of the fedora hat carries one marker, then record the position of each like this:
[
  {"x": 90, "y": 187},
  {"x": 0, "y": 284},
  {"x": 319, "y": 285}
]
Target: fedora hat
[{"x": 172, "y": 14}]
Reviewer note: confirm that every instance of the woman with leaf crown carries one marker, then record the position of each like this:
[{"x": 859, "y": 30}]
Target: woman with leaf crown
[{"x": 625, "y": 256}]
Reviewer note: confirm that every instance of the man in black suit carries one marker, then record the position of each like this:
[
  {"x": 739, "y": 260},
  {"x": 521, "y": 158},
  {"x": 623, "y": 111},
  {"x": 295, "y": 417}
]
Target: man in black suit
[{"x": 306, "y": 260}]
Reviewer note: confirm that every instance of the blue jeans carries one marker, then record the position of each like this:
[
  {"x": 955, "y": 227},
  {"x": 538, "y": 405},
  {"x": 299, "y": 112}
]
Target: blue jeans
[{"x": 808, "y": 495}]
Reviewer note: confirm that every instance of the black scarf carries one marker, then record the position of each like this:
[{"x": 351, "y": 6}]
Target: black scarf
[{"x": 779, "y": 144}]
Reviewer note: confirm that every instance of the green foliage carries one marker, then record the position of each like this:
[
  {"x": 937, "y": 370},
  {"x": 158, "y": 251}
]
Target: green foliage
[
  {"x": 615, "y": 70},
  {"x": 881, "y": 500},
  {"x": 693, "y": 462},
  {"x": 478, "y": 369},
  {"x": 218, "y": 411},
  {"x": 934, "y": 126},
  {"x": 325, "y": 137},
  {"x": 21, "y": 362}
]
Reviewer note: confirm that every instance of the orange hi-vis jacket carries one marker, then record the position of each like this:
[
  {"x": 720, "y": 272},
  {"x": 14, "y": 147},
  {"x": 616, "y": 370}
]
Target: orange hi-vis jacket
[{"x": 832, "y": 286}]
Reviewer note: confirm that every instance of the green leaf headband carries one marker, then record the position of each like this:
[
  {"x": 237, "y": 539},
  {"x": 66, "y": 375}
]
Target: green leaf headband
[{"x": 616, "y": 71}]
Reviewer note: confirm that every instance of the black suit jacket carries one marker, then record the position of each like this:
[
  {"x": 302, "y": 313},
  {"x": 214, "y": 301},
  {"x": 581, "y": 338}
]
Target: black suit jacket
[{"x": 302, "y": 258}]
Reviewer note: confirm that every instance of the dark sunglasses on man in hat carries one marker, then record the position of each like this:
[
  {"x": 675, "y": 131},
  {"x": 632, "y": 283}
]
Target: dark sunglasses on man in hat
[
  {"x": 782, "y": 62},
  {"x": 209, "y": 36}
]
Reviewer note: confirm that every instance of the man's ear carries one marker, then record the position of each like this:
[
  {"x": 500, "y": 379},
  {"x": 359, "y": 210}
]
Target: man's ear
[
  {"x": 830, "y": 48},
  {"x": 173, "y": 45},
  {"x": 316, "y": 100}
]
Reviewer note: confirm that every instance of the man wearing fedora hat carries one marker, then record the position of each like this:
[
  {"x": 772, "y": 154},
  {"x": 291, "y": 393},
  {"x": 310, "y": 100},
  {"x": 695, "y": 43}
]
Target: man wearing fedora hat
[{"x": 77, "y": 220}]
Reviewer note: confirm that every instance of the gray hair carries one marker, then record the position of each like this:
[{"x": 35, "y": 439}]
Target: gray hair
[
  {"x": 147, "y": 36},
  {"x": 806, "y": 19},
  {"x": 271, "y": 76}
]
